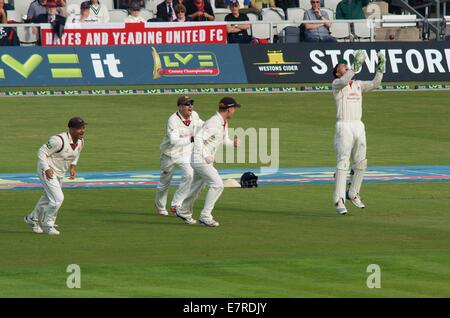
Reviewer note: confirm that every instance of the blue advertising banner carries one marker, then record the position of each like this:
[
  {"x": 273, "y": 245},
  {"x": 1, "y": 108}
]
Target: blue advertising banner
[
  {"x": 114, "y": 65},
  {"x": 314, "y": 62}
]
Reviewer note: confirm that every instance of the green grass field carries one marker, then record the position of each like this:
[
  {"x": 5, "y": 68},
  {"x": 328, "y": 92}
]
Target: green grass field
[{"x": 274, "y": 241}]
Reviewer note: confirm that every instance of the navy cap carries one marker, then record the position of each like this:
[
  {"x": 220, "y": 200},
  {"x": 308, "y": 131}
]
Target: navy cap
[
  {"x": 85, "y": 5},
  {"x": 184, "y": 100},
  {"x": 135, "y": 6},
  {"x": 76, "y": 122},
  {"x": 228, "y": 102}
]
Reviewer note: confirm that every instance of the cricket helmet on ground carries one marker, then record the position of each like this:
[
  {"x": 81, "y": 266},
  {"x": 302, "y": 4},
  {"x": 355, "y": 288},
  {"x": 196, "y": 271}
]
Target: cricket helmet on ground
[{"x": 249, "y": 180}]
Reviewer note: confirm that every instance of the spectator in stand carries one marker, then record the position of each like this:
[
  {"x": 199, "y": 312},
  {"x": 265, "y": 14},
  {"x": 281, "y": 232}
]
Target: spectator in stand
[
  {"x": 165, "y": 11},
  {"x": 237, "y": 33},
  {"x": 84, "y": 16},
  {"x": 134, "y": 14},
  {"x": 242, "y": 4},
  {"x": 258, "y": 5},
  {"x": 180, "y": 11},
  {"x": 351, "y": 9},
  {"x": 7, "y": 6},
  {"x": 317, "y": 32},
  {"x": 125, "y": 4},
  {"x": 8, "y": 36},
  {"x": 99, "y": 11},
  {"x": 3, "y": 16},
  {"x": 57, "y": 21},
  {"x": 199, "y": 10},
  {"x": 36, "y": 8},
  {"x": 62, "y": 7},
  {"x": 51, "y": 16}
]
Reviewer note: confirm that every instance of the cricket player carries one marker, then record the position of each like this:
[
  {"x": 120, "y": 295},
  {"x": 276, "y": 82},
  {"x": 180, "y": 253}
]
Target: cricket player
[
  {"x": 176, "y": 150},
  {"x": 209, "y": 138},
  {"x": 350, "y": 137},
  {"x": 60, "y": 154}
]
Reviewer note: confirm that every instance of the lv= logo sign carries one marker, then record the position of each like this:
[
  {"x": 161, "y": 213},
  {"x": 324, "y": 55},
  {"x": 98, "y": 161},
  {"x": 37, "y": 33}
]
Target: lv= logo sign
[
  {"x": 27, "y": 68},
  {"x": 184, "y": 64}
]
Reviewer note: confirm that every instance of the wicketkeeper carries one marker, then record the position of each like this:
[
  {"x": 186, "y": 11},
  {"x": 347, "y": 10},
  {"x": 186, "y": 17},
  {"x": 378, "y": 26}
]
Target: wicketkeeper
[{"x": 350, "y": 137}]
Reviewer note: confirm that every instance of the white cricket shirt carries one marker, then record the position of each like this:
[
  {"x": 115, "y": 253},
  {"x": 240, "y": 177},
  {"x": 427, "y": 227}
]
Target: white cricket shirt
[
  {"x": 177, "y": 141},
  {"x": 210, "y": 137},
  {"x": 348, "y": 95},
  {"x": 59, "y": 153}
]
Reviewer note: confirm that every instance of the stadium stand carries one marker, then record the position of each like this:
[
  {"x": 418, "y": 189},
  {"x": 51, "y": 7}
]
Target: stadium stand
[
  {"x": 220, "y": 16},
  {"x": 147, "y": 14},
  {"x": 363, "y": 31},
  {"x": 14, "y": 16},
  {"x": 27, "y": 37},
  {"x": 272, "y": 15},
  {"x": 295, "y": 14},
  {"x": 253, "y": 16},
  {"x": 117, "y": 15},
  {"x": 288, "y": 33},
  {"x": 331, "y": 4},
  {"x": 22, "y": 6},
  {"x": 388, "y": 27},
  {"x": 305, "y": 4},
  {"x": 261, "y": 31},
  {"x": 76, "y": 3},
  {"x": 340, "y": 31}
]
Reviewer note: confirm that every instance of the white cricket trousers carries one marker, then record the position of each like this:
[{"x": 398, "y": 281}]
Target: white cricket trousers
[
  {"x": 204, "y": 175},
  {"x": 167, "y": 166},
  {"x": 46, "y": 210},
  {"x": 350, "y": 144}
]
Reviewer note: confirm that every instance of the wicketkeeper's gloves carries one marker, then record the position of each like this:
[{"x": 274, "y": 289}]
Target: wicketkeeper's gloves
[
  {"x": 381, "y": 65},
  {"x": 359, "y": 60}
]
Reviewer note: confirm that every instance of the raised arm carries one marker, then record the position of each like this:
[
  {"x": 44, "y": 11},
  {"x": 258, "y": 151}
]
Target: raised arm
[
  {"x": 340, "y": 83},
  {"x": 368, "y": 86}
]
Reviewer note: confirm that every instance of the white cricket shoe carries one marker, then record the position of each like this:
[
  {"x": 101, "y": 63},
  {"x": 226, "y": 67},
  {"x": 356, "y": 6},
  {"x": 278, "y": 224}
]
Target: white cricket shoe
[
  {"x": 211, "y": 223},
  {"x": 340, "y": 207},
  {"x": 186, "y": 219},
  {"x": 356, "y": 200},
  {"x": 51, "y": 231},
  {"x": 161, "y": 212},
  {"x": 35, "y": 227}
]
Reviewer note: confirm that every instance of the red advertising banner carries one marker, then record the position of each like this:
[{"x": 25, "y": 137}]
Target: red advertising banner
[{"x": 92, "y": 34}]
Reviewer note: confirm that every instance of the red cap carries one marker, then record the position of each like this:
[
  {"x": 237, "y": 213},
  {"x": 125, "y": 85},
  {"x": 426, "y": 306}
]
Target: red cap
[{"x": 51, "y": 4}]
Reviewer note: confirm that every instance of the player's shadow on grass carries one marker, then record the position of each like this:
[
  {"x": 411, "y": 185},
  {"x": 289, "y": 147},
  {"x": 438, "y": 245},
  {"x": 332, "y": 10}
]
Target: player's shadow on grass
[
  {"x": 157, "y": 220},
  {"x": 16, "y": 232},
  {"x": 298, "y": 213},
  {"x": 136, "y": 217},
  {"x": 119, "y": 212}
]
